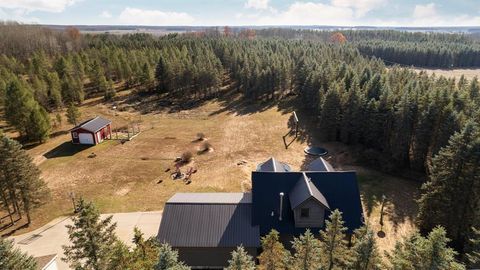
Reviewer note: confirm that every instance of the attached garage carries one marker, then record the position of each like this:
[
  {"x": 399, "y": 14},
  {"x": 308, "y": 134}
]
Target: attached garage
[{"x": 92, "y": 132}]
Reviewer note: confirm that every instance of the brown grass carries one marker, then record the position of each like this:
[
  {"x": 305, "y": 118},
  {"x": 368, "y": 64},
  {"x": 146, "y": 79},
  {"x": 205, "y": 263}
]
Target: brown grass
[
  {"x": 125, "y": 177},
  {"x": 452, "y": 73}
]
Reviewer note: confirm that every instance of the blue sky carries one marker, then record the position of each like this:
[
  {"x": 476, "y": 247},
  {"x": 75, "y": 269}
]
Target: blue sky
[{"x": 245, "y": 12}]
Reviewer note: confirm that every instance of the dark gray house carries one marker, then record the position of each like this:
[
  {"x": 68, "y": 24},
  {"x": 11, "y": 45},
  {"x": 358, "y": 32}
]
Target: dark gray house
[{"x": 206, "y": 227}]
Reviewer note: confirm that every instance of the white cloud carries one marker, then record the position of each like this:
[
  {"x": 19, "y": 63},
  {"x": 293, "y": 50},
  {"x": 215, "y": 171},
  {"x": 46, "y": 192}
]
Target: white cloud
[
  {"x": 309, "y": 13},
  {"x": 105, "y": 14},
  {"x": 360, "y": 7},
  {"x": 257, "y": 4},
  {"x": 137, "y": 16},
  {"x": 33, "y": 5},
  {"x": 425, "y": 11}
]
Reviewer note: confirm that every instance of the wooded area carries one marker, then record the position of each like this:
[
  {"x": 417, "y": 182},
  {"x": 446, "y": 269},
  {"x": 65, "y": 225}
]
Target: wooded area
[{"x": 402, "y": 120}]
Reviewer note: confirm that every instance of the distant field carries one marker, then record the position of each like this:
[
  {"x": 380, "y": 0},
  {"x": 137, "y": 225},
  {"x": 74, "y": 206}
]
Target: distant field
[
  {"x": 125, "y": 177},
  {"x": 452, "y": 73}
]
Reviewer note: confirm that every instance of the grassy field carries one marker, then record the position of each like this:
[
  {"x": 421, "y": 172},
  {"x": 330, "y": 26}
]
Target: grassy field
[
  {"x": 452, "y": 73},
  {"x": 125, "y": 177}
]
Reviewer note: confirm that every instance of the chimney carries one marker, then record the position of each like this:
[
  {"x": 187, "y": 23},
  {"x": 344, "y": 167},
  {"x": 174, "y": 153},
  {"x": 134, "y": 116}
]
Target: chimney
[{"x": 281, "y": 207}]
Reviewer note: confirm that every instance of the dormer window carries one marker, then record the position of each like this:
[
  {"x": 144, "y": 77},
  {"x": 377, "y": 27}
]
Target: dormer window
[{"x": 305, "y": 213}]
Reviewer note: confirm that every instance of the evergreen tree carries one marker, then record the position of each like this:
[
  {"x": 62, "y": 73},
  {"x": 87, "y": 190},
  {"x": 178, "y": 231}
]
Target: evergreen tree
[
  {"x": 240, "y": 260},
  {"x": 334, "y": 252},
  {"x": 145, "y": 253},
  {"x": 274, "y": 256},
  {"x": 12, "y": 258},
  {"x": 418, "y": 253},
  {"x": 473, "y": 249},
  {"x": 91, "y": 239},
  {"x": 19, "y": 103},
  {"x": 54, "y": 87},
  {"x": 450, "y": 197},
  {"x": 307, "y": 252},
  {"x": 38, "y": 127},
  {"x": 146, "y": 77},
  {"x": 73, "y": 114},
  {"x": 168, "y": 259},
  {"x": 365, "y": 251},
  {"x": 329, "y": 120},
  {"x": 20, "y": 182}
]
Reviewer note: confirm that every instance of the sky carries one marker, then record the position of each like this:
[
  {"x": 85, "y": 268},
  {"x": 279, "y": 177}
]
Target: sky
[{"x": 244, "y": 12}]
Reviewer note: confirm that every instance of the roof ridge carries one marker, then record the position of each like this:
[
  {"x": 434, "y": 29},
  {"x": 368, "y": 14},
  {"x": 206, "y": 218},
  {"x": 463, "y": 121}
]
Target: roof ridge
[
  {"x": 273, "y": 162},
  {"x": 305, "y": 177}
]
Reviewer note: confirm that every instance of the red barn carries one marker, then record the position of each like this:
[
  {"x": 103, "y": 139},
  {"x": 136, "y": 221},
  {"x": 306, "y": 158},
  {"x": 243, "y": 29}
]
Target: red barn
[{"x": 93, "y": 131}]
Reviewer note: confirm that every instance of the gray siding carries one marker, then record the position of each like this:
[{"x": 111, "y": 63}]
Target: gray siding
[
  {"x": 316, "y": 218},
  {"x": 209, "y": 258}
]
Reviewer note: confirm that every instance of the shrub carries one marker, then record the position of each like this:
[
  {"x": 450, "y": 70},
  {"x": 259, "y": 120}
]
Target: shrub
[
  {"x": 187, "y": 157},
  {"x": 200, "y": 136}
]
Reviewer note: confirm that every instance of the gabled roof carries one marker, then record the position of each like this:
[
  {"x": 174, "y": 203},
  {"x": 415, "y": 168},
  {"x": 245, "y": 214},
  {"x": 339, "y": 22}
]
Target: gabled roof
[
  {"x": 273, "y": 165},
  {"x": 200, "y": 222},
  {"x": 304, "y": 190},
  {"x": 94, "y": 124},
  {"x": 340, "y": 190},
  {"x": 44, "y": 261},
  {"x": 320, "y": 165}
]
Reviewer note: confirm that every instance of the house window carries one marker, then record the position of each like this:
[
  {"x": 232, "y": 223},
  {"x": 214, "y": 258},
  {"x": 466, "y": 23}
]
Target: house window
[
  {"x": 305, "y": 212},
  {"x": 75, "y": 135}
]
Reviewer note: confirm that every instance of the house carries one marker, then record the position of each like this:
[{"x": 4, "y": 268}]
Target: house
[
  {"x": 48, "y": 262},
  {"x": 92, "y": 131},
  {"x": 206, "y": 227}
]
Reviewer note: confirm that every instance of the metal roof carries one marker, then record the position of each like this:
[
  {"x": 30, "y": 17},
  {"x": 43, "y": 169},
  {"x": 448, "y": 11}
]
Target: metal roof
[
  {"x": 211, "y": 198},
  {"x": 208, "y": 225},
  {"x": 94, "y": 124},
  {"x": 340, "y": 189},
  {"x": 320, "y": 165},
  {"x": 273, "y": 165},
  {"x": 304, "y": 190},
  {"x": 44, "y": 261}
]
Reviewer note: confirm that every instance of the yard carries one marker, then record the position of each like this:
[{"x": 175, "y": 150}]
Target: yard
[{"x": 132, "y": 176}]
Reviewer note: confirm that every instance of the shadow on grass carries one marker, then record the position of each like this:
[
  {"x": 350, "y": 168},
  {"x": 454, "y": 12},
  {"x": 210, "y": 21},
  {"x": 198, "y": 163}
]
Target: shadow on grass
[{"x": 66, "y": 149}]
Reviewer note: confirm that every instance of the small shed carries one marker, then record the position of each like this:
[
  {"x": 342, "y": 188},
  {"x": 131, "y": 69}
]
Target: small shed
[{"x": 92, "y": 131}]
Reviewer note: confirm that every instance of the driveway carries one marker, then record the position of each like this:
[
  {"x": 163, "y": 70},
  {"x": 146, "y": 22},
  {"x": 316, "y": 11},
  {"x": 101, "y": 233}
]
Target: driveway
[{"x": 49, "y": 239}]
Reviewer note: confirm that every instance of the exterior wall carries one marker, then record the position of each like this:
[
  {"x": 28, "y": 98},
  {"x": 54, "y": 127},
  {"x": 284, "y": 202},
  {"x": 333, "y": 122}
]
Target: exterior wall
[
  {"x": 78, "y": 131},
  {"x": 208, "y": 258},
  {"x": 316, "y": 218}
]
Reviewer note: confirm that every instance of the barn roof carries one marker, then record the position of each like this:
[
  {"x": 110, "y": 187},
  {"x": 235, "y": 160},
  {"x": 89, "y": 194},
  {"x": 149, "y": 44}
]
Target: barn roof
[
  {"x": 94, "y": 124},
  {"x": 340, "y": 190},
  {"x": 303, "y": 190},
  {"x": 209, "y": 220},
  {"x": 320, "y": 165},
  {"x": 273, "y": 165}
]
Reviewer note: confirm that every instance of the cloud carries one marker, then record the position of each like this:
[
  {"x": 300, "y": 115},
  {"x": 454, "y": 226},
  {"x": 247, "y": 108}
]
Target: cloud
[
  {"x": 154, "y": 17},
  {"x": 428, "y": 15},
  {"x": 360, "y": 7},
  {"x": 33, "y": 5},
  {"x": 425, "y": 11},
  {"x": 105, "y": 14},
  {"x": 257, "y": 4}
]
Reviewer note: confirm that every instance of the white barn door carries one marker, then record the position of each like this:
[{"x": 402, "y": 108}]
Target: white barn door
[{"x": 86, "y": 138}]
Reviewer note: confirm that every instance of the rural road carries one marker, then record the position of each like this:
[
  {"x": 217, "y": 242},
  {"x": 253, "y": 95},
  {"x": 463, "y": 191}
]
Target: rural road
[{"x": 49, "y": 239}]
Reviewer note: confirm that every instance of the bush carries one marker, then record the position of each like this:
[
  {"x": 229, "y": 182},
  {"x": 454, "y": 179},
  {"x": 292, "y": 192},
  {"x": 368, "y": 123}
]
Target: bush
[
  {"x": 200, "y": 136},
  {"x": 186, "y": 157},
  {"x": 205, "y": 147}
]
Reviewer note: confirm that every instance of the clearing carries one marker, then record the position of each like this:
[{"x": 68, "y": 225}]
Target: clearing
[
  {"x": 132, "y": 176},
  {"x": 452, "y": 73}
]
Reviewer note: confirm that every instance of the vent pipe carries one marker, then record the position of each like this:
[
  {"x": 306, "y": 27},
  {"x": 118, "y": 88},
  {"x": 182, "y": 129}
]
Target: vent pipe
[{"x": 281, "y": 207}]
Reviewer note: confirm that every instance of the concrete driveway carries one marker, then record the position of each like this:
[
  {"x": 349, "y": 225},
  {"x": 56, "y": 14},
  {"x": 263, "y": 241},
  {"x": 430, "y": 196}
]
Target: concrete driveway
[{"x": 49, "y": 239}]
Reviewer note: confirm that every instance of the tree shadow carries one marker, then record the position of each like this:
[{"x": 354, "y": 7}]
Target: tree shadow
[{"x": 66, "y": 149}]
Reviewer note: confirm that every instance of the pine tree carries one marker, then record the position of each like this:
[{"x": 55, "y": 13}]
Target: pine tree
[
  {"x": 168, "y": 259},
  {"x": 54, "y": 87},
  {"x": 145, "y": 253},
  {"x": 334, "y": 250},
  {"x": 20, "y": 181},
  {"x": 450, "y": 197},
  {"x": 274, "y": 256},
  {"x": 38, "y": 127},
  {"x": 12, "y": 258},
  {"x": 240, "y": 260},
  {"x": 307, "y": 252},
  {"x": 19, "y": 103},
  {"x": 418, "y": 253},
  {"x": 329, "y": 120},
  {"x": 73, "y": 114},
  {"x": 92, "y": 239},
  {"x": 146, "y": 78},
  {"x": 472, "y": 256},
  {"x": 365, "y": 251}
]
